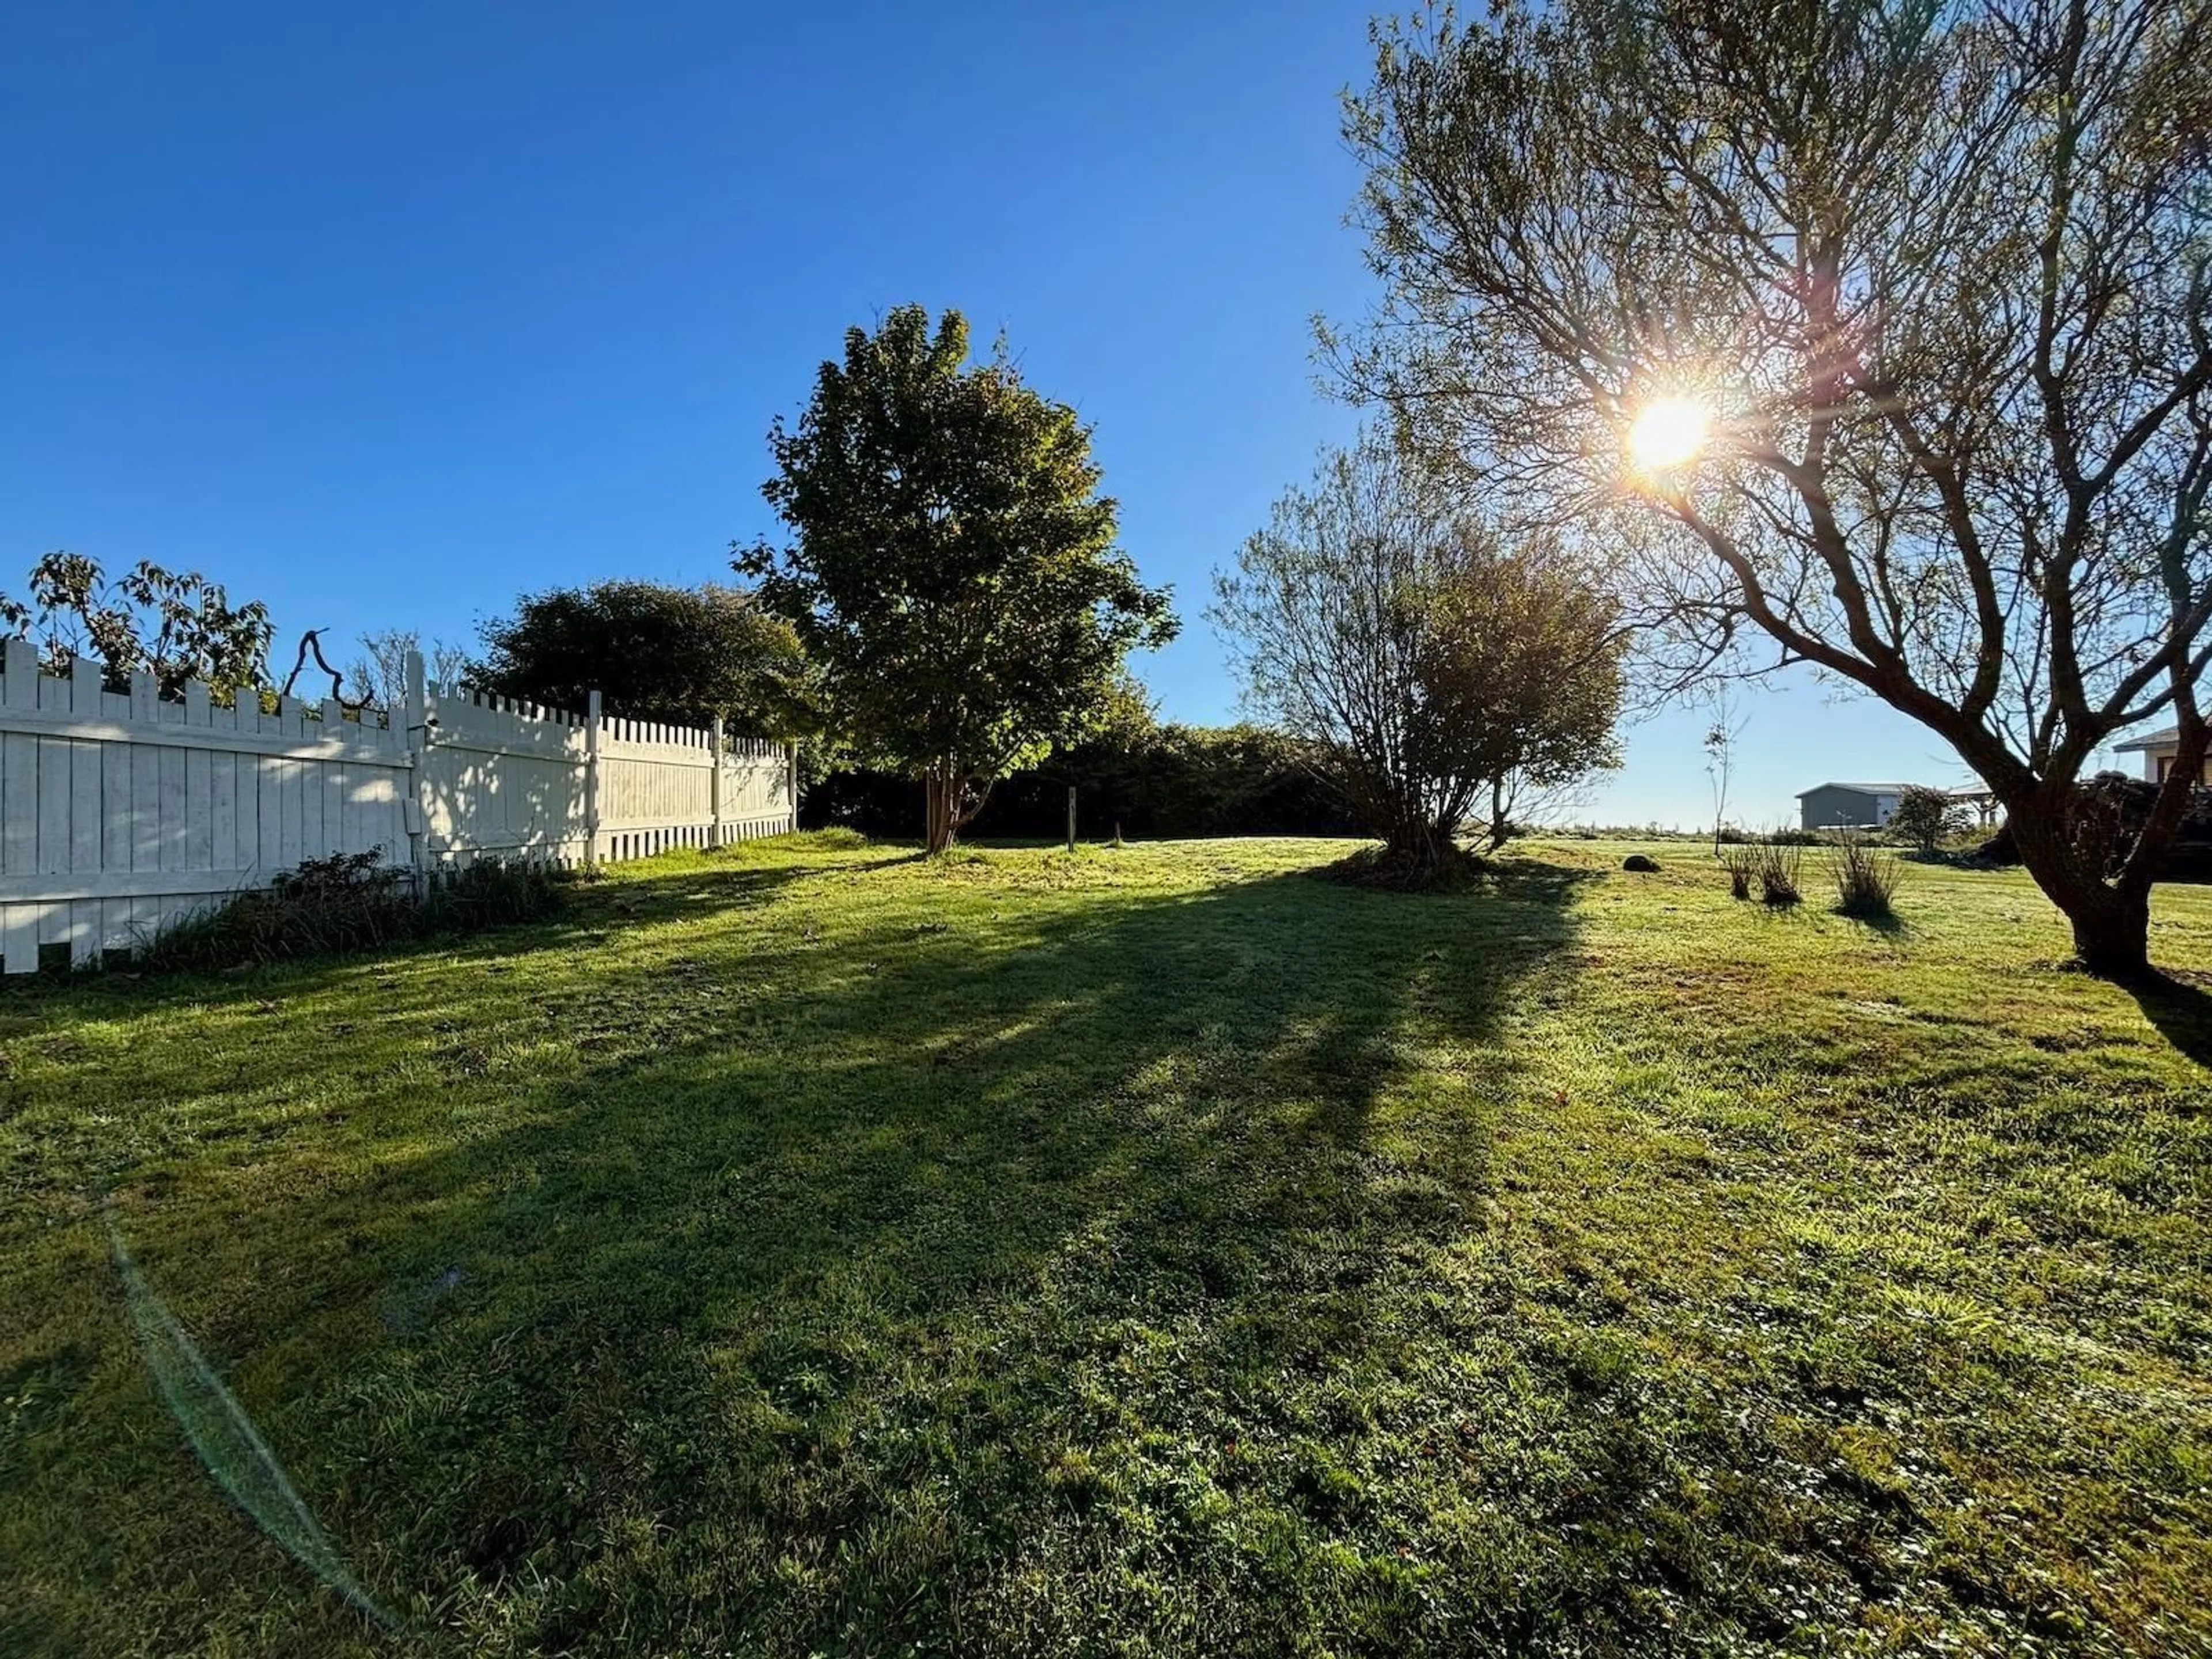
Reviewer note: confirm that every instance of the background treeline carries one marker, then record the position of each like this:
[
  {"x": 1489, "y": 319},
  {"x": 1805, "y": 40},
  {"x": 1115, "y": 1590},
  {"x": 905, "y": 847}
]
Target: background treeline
[{"x": 1166, "y": 780}]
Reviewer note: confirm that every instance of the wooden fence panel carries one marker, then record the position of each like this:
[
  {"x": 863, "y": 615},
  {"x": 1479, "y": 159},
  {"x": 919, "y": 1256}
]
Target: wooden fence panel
[
  {"x": 498, "y": 783},
  {"x": 122, "y": 812},
  {"x": 500, "y": 779}
]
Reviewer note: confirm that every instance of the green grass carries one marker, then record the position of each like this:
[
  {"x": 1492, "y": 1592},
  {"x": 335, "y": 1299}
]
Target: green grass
[{"x": 804, "y": 1249}]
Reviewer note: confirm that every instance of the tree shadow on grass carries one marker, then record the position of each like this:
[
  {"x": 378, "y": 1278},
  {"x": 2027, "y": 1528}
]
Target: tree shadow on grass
[
  {"x": 2179, "y": 1004},
  {"x": 924, "y": 1072},
  {"x": 798, "y": 1238}
]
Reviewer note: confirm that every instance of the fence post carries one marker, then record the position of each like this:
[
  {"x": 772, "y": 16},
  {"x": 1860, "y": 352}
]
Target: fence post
[
  {"x": 415, "y": 722},
  {"x": 791, "y": 782},
  {"x": 714, "y": 743},
  {"x": 592, "y": 723},
  {"x": 1071, "y": 818}
]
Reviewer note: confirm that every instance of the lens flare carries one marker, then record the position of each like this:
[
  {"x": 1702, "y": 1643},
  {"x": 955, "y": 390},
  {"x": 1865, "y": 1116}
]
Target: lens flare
[
  {"x": 225, "y": 1437},
  {"x": 1668, "y": 433}
]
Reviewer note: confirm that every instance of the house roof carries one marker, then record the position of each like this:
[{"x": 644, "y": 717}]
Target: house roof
[
  {"x": 2168, "y": 738},
  {"x": 1858, "y": 788}
]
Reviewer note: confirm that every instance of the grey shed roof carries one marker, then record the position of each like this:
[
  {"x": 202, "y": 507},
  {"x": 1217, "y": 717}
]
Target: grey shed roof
[
  {"x": 1858, "y": 788},
  {"x": 2172, "y": 734}
]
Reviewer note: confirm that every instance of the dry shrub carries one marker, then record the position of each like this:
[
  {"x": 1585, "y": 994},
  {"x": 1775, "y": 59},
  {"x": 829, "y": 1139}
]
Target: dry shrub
[
  {"x": 1776, "y": 866},
  {"x": 1742, "y": 863},
  {"x": 1866, "y": 879}
]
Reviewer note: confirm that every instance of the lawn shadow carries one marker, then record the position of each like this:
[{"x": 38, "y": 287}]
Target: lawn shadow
[
  {"x": 1075, "y": 1040},
  {"x": 779, "y": 1184},
  {"x": 1890, "y": 924},
  {"x": 2178, "y": 1003}
]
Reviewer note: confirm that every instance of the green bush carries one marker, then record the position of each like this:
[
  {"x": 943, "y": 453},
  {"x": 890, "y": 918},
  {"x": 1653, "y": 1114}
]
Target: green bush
[
  {"x": 1927, "y": 817},
  {"x": 1160, "y": 783},
  {"x": 347, "y": 903}
]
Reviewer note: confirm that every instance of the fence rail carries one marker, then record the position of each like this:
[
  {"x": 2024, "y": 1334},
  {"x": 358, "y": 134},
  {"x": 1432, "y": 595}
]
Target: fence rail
[{"x": 121, "y": 812}]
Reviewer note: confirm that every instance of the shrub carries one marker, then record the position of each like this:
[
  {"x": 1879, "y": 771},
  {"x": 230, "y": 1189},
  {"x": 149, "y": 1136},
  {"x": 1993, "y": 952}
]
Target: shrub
[
  {"x": 2110, "y": 810},
  {"x": 1742, "y": 863},
  {"x": 1394, "y": 872},
  {"x": 1866, "y": 879},
  {"x": 1776, "y": 865},
  {"x": 1927, "y": 818},
  {"x": 490, "y": 893},
  {"x": 1163, "y": 782},
  {"x": 349, "y": 902}
]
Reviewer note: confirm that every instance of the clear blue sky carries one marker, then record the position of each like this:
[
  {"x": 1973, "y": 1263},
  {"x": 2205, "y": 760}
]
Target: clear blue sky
[{"x": 384, "y": 313}]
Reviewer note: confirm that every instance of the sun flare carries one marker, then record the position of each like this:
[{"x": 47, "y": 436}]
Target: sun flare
[{"x": 1669, "y": 432}]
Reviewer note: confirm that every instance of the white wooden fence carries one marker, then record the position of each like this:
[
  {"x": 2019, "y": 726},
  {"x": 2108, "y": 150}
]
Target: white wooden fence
[{"x": 121, "y": 812}]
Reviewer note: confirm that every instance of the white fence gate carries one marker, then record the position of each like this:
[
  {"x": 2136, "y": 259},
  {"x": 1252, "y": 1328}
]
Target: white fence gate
[{"x": 121, "y": 812}]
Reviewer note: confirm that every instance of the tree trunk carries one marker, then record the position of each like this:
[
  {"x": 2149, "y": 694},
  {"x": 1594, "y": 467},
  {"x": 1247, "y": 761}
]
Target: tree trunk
[
  {"x": 939, "y": 788},
  {"x": 1420, "y": 846},
  {"x": 2112, "y": 933},
  {"x": 2111, "y": 919}
]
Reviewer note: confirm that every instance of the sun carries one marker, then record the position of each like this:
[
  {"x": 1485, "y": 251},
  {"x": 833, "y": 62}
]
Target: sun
[{"x": 1669, "y": 432}]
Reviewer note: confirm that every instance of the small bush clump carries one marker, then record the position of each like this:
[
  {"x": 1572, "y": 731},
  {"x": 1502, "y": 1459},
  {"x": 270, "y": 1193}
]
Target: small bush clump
[
  {"x": 1742, "y": 863},
  {"x": 1776, "y": 865},
  {"x": 1866, "y": 879},
  {"x": 349, "y": 902}
]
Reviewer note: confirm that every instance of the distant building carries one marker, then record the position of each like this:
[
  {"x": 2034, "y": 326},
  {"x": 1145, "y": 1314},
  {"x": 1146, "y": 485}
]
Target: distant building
[
  {"x": 1979, "y": 799},
  {"x": 1848, "y": 805},
  {"x": 2158, "y": 751}
]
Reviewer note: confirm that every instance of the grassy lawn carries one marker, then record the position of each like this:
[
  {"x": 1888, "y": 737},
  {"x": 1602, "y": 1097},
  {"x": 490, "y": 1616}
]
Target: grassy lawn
[{"x": 805, "y": 1250}]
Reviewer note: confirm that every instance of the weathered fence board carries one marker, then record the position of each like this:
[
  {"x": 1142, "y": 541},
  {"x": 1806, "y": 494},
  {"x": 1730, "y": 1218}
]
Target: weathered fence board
[{"x": 120, "y": 813}]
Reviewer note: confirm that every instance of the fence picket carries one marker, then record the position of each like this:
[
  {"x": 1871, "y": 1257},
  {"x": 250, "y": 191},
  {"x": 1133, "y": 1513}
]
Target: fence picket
[{"x": 121, "y": 812}]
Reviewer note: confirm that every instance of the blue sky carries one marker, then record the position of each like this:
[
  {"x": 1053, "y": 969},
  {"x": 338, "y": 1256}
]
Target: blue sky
[{"x": 382, "y": 314}]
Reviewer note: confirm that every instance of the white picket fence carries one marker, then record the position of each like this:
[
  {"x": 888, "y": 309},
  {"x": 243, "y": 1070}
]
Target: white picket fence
[{"x": 121, "y": 812}]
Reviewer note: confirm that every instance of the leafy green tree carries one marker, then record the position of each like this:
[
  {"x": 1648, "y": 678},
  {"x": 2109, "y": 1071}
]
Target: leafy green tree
[
  {"x": 1926, "y": 816},
  {"x": 1435, "y": 664},
  {"x": 1875, "y": 334},
  {"x": 680, "y": 655},
  {"x": 954, "y": 571},
  {"x": 175, "y": 625}
]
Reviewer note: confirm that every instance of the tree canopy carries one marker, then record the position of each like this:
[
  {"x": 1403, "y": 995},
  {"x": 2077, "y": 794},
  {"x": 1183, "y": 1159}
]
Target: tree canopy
[
  {"x": 682, "y": 655},
  {"x": 1876, "y": 331},
  {"x": 953, "y": 571},
  {"x": 175, "y": 625},
  {"x": 1434, "y": 665}
]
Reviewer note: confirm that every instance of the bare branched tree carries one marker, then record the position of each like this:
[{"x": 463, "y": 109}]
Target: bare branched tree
[
  {"x": 1932, "y": 278},
  {"x": 1719, "y": 743},
  {"x": 377, "y": 677}
]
